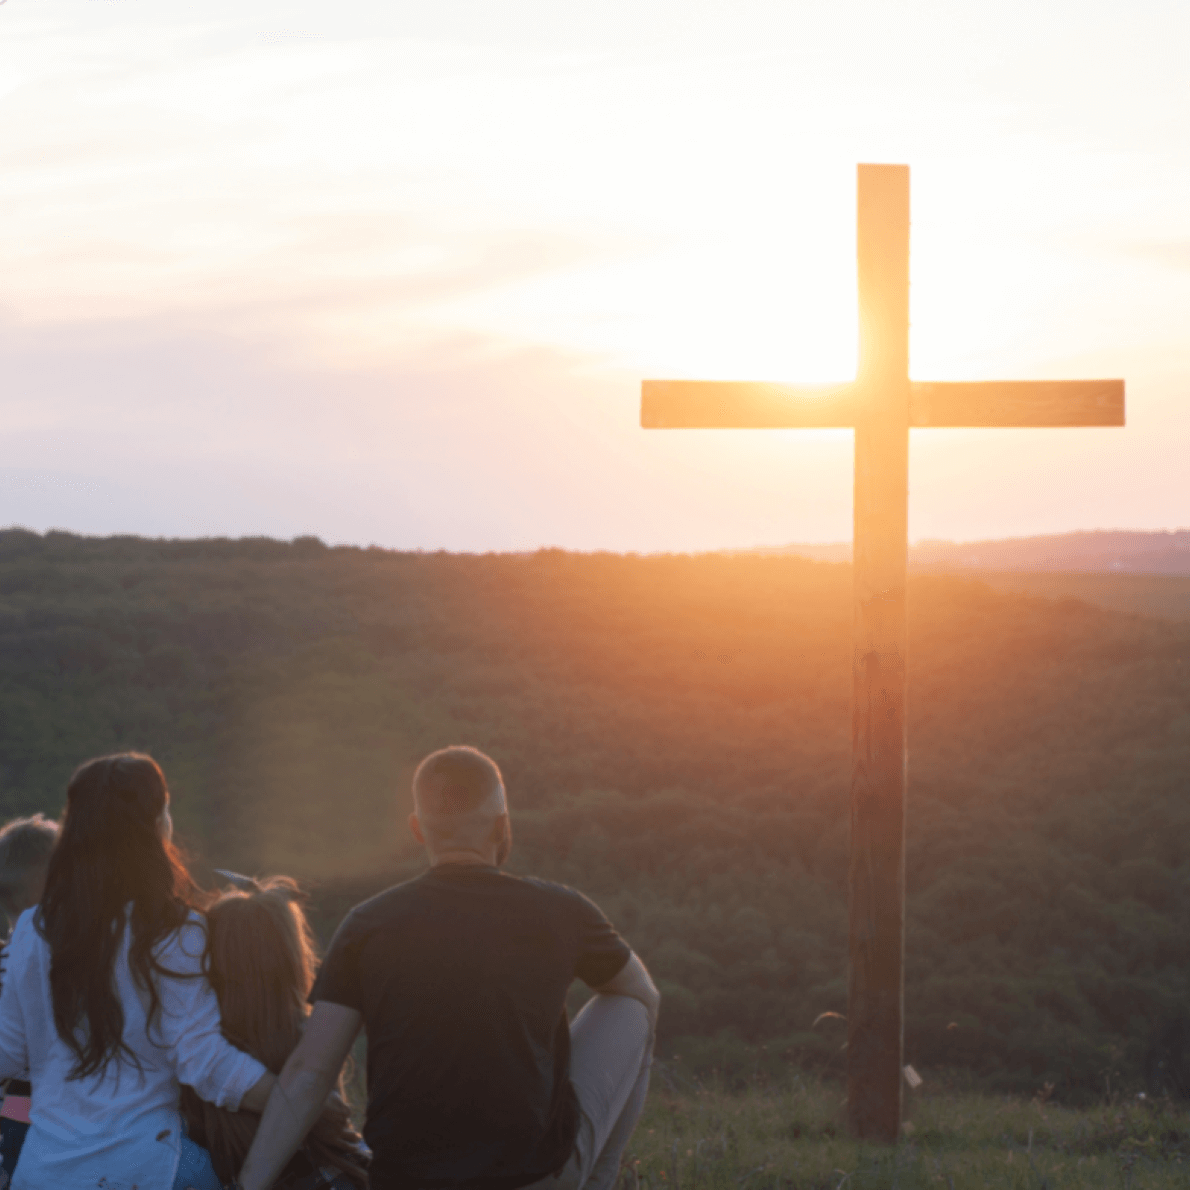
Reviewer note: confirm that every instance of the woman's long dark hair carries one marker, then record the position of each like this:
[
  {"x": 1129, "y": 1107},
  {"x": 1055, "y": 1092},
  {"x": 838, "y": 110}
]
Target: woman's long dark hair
[{"x": 111, "y": 859}]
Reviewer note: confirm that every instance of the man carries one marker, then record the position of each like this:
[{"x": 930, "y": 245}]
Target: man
[{"x": 460, "y": 976}]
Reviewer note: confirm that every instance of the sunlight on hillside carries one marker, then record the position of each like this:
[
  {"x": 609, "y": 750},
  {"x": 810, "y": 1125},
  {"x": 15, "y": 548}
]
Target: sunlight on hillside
[
  {"x": 320, "y": 766},
  {"x": 675, "y": 736}
]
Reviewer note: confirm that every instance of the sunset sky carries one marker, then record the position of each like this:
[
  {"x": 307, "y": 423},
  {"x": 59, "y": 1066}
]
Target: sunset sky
[{"x": 392, "y": 273}]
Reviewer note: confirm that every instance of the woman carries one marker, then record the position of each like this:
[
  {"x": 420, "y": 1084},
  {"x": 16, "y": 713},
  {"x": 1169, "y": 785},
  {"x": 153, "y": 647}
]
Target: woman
[
  {"x": 105, "y": 1000},
  {"x": 262, "y": 968}
]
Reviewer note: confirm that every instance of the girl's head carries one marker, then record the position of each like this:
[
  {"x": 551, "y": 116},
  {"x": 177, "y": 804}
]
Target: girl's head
[{"x": 262, "y": 967}]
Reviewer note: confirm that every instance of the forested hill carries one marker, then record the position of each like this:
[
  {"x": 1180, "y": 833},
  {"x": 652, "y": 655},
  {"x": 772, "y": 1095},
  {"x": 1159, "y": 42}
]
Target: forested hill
[
  {"x": 1113, "y": 551},
  {"x": 675, "y": 735}
]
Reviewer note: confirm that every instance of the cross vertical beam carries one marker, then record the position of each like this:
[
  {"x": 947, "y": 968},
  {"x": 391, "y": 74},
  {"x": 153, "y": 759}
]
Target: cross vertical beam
[{"x": 878, "y": 736}]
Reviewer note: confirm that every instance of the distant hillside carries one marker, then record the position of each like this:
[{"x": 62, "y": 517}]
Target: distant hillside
[
  {"x": 1165, "y": 596},
  {"x": 675, "y": 735},
  {"x": 1110, "y": 551},
  {"x": 1113, "y": 551}
]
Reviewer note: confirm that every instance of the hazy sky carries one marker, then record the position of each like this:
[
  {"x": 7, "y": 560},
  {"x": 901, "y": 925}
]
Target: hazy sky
[{"x": 392, "y": 272}]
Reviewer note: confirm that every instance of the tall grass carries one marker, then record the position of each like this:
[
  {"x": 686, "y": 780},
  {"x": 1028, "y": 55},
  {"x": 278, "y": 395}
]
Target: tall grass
[{"x": 696, "y": 1135}]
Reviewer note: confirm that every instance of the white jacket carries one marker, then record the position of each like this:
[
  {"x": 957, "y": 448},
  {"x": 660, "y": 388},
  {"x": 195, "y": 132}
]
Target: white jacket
[{"x": 119, "y": 1129}]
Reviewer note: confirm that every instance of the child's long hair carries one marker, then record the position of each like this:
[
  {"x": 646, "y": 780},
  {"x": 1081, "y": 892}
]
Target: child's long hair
[{"x": 261, "y": 957}]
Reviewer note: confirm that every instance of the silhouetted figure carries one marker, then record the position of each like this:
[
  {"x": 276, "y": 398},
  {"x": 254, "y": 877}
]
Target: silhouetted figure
[
  {"x": 105, "y": 1001},
  {"x": 460, "y": 976},
  {"x": 262, "y": 968},
  {"x": 25, "y": 846}
]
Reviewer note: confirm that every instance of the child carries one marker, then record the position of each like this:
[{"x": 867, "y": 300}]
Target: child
[
  {"x": 261, "y": 963},
  {"x": 25, "y": 846}
]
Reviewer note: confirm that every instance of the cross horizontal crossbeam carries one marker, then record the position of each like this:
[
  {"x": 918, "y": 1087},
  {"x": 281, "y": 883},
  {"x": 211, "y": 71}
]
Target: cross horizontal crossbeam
[{"x": 710, "y": 404}]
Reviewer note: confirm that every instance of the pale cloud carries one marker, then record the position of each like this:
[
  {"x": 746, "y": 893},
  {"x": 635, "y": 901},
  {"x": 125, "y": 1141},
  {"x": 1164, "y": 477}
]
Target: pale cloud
[
  {"x": 305, "y": 262},
  {"x": 1173, "y": 254}
]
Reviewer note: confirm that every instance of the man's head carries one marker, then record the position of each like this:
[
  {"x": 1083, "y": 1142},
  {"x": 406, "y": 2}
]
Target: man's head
[
  {"x": 460, "y": 813},
  {"x": 25, "y": 846}
]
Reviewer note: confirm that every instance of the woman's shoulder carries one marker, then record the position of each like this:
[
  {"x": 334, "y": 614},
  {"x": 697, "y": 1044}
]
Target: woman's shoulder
[{"x": 183, "y": 948}]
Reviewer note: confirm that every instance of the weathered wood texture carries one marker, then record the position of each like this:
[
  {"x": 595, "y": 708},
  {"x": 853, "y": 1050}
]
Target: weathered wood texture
[
  {"x": 730, "y": 405},
  {"x": 1026, "y": 403},
  {"x": 878, "y": 743},
  {"x": 740, "y": 405}
]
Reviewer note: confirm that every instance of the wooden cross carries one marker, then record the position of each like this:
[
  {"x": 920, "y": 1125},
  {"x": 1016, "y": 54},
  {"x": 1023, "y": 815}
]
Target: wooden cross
[{"x": 882, "y": 404}]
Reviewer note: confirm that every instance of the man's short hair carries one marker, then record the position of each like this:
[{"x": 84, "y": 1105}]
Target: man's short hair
[
  {"x": 457, "y": 784},
  {"x": 25, "y": 846}
]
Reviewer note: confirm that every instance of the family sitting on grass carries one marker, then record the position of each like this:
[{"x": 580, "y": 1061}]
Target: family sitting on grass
[{"x": 158, "y": 1038}]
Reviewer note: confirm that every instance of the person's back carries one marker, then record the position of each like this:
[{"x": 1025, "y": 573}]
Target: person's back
[
  {"x": 102, "y": 1121},
  {"x": 105, "y": 999},
  {"x": 468, "y": 1082},
  {"x": 475, "y": 1076}
]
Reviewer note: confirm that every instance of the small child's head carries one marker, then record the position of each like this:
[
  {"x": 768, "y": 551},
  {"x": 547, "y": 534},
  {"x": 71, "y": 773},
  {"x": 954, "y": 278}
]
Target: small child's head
[
  {"x": 262, "y": 962},
  {"x": 25, "y": 846}
]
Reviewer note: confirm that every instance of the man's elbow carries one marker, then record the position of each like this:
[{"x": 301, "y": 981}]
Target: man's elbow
[
  {"x": 645, "y": 991},
  {"x": 653, "y": 1004}
]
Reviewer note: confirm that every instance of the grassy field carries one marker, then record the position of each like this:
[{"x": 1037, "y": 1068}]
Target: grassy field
[{"x": 698, "y": 1137}]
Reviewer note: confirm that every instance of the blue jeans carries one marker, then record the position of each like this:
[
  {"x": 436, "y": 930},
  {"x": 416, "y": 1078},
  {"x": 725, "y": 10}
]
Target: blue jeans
[
  {"x": 611, "y": 1050},
  {"x": 12, "y": 1136},
  {"x": 195, "y": 1171}
]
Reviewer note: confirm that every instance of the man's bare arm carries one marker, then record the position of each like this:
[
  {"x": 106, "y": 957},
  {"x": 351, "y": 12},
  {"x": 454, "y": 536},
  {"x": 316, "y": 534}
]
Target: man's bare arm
[
  {"x": 300, "y": 1094},
  {"x": 634, "y": 981}
]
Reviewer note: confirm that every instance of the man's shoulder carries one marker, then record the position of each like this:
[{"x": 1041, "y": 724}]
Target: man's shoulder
[
  {"x": 560, "y": 894},
  {"x": 387, "y": 900},
  {"x": 418, "y": 894}
]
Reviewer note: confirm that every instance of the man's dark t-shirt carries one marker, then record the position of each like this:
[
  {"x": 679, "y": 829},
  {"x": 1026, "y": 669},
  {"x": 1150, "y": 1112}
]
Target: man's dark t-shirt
[{"x": 461, "y": 977}]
